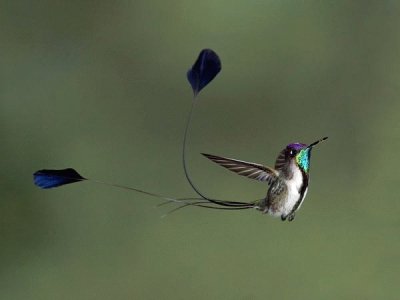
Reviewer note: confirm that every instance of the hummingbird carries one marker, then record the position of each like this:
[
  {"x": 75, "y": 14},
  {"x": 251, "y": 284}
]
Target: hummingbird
[{"x": 288, "y": 181}]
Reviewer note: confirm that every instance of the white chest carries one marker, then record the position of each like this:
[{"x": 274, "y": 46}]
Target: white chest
[{"x": 294, "y": 186}]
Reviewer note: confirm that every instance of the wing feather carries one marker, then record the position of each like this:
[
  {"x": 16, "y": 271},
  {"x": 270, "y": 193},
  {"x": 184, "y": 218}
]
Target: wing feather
[{"x": 244, "y": 168}]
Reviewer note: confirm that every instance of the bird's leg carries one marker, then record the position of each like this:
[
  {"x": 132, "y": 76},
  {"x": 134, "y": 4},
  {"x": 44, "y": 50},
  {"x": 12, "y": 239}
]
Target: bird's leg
[{"x": 291, "y": 217}]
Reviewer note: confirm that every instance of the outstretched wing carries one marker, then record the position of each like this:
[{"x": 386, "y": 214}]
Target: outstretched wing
[{"x": 248, "y": 169}]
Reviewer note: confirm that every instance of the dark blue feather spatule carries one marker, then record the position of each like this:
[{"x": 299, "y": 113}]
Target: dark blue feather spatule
[
  {"x": 206, "y": 67},
  {"x": 47, "y": 179}
]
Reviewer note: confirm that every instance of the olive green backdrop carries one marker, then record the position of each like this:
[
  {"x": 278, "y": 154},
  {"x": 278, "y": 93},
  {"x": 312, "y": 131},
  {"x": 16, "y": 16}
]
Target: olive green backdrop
[{"x": 101, "y": 87}]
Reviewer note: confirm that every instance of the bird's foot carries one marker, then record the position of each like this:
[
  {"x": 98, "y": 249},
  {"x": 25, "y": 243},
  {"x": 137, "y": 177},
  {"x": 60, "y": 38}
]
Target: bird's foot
[{"x": 289, "y": 217}]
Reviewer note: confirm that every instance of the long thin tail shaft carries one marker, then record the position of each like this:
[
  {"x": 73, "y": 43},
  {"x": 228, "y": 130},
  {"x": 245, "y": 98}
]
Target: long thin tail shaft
[
  {"x": 47, "y": 179},
  {"x": 185, "y": 169}
]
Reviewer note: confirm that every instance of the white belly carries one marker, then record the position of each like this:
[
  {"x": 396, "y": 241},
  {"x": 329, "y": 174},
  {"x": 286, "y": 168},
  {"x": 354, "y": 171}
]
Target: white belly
[
  {"x": 293, "y": 195},
  {"x": 294, "y": 186}
]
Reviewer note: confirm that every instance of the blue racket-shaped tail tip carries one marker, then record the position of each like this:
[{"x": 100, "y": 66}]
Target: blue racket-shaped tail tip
[
  {"x": 47, "y": 179},
  {"x": 206, "y": 67}
]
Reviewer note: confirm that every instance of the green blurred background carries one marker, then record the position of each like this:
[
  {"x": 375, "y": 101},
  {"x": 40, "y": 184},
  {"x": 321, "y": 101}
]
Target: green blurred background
[{"x": 101, "y": 87}]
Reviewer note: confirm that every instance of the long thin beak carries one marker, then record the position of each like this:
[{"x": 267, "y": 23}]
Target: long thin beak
[{"x": 317, "y": 142}]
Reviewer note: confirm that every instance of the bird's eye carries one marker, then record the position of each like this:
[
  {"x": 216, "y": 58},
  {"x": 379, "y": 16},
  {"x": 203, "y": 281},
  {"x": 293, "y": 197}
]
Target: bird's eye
[{"x": 292, "y": 152}]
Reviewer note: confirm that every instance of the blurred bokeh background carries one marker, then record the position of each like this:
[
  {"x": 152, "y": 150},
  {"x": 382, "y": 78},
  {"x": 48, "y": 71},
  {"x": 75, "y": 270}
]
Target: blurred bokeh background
[{"x": 100, "y": 86}]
